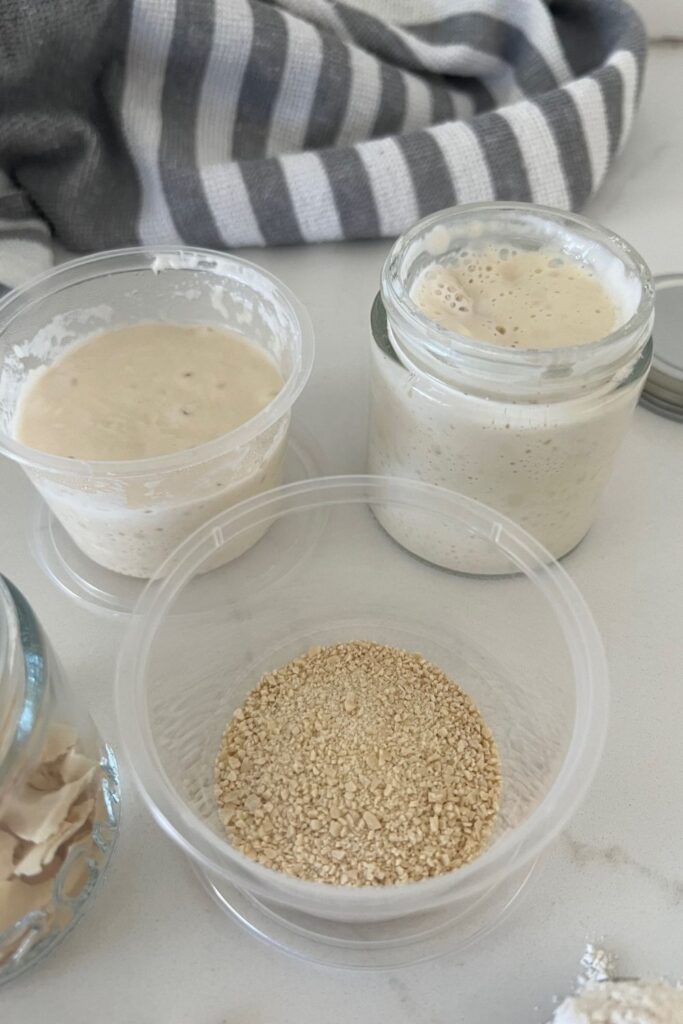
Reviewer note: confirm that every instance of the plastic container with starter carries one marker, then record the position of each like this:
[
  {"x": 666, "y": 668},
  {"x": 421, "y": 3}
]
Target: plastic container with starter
[{"x": 128, "y": 515}]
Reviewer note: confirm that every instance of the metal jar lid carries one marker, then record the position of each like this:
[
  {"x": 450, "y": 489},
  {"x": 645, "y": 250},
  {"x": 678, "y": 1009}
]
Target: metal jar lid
[{"x": 663, "y": 391}]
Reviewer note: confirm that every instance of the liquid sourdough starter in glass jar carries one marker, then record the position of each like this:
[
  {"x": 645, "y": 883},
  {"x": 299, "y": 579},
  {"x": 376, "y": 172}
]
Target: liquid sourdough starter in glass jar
[{"x": 510, "y": 346}]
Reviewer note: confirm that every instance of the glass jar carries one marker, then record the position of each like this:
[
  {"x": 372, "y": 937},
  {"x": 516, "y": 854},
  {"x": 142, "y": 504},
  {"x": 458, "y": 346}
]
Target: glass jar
[
  {"x": 59, "y": 794},
  {"x": 531, "y": 432}
]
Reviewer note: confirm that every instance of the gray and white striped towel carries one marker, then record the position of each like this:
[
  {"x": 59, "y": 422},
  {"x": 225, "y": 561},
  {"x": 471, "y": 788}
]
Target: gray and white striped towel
[{"x": 249, "y": 122}]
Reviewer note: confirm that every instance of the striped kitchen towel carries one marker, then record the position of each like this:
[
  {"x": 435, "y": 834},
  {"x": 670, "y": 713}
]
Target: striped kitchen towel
[{"x": 257, "y": 122}]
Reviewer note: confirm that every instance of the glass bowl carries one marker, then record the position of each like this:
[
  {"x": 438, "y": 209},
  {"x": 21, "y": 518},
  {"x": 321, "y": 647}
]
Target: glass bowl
[
  {"x": 524, "y": 646},
  {"x": 129, "y": 515}
]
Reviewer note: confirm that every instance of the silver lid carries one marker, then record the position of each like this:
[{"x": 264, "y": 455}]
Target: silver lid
[{"x": 663, "y": 391}]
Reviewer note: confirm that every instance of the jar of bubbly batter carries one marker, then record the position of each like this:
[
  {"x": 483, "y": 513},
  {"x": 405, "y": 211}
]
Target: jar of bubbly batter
[{"x": 510, "y": 346}]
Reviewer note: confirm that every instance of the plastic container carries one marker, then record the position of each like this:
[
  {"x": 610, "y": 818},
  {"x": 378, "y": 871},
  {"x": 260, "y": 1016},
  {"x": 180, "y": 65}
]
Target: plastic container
[
  {"x": 109, "y": 593},
  {"x": 531, "y": 432},
  {"x": 127, "y": 516},
  {"x": 59, "y": 794},
  {"x": 524, "y": 646}
]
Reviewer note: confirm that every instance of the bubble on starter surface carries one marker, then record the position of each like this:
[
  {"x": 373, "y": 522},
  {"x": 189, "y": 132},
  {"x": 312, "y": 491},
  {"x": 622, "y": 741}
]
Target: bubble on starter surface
[{"x": 534, "y": 299}]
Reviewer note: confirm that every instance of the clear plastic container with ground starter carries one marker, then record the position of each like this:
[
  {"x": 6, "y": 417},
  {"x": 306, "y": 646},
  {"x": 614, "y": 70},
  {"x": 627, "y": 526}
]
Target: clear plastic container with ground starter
[
  {"x": 523, "y": 646},
  {"x": 531, "y": 432},
  {"x": 127, "y": 516}
]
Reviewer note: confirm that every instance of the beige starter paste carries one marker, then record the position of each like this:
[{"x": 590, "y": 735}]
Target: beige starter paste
[
  {"x": 144, "y": 390},
  {"x": 517, "y": 299}
]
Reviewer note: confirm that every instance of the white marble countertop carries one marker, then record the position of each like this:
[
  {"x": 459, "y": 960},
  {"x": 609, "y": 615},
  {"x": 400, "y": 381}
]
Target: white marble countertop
[
  {"x": 663, "y": 18},
  {"x": 154, "y": 950}
]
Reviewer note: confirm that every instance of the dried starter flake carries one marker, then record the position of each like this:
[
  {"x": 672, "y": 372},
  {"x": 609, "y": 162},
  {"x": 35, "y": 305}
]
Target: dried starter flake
[
  {"x": 40, "y": 855},
  {"x": 35, "y": 815},
  {"x": 358, "y": 764},
  {"x": 39, "y": 820}
]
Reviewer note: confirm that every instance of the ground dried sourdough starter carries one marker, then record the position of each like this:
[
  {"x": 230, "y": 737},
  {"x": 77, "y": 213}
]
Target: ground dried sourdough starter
[{"x": 358, "y": 764}]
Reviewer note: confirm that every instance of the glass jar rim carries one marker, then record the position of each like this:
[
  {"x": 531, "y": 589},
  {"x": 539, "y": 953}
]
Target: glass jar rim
[
  {"x": 177, "y": 258},
  {"x": 24, "y": 644},
  {"x": 425, "y": 346}
]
